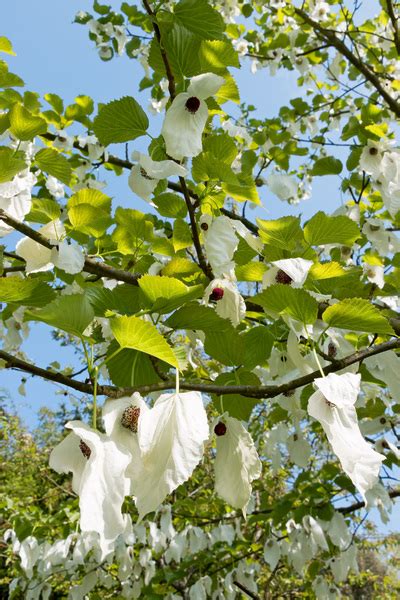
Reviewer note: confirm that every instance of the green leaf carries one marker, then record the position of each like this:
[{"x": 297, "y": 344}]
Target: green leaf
[
  {"x": 55, "y": 164},
  {"x": 258, "y": 343},
  {"x": 95, "y": 198},
  {"x": 27, "y": 292},
  {"x": 217, "y": 55},
  {"x": 228, "y": 91},
  {"x": 327, "y": 270},
  {"x": 10, "y": 164},
  {"x": 170, "y": 205},
  {"x": 164, "y": 294},
  {"x": 123, "y": 299},
  {"x": 55, "y": 102},
  {"x": 89, "y": 212},
  {"x": 6, "y": 46},
  {"x": 196, "y": 316},
  {"x": 236, "y": 405},
  {"x": 322, "y": 229},
  {"x": 120, "y": 121},
  {"x": 245, "y": 191},
  {"x": 221, "y": 146},
  {"x": 182, "y": 48},
  {"x": 88, "y": 219},
  {"x": 328, "y": 165},
  {"x": 130, "y": 368},
  {"x": 251, "y": 271},
  {"x": 24, "y": 125},
  {"x": 200, "y": 18},
  {"x": 207, "y": 166},
  {"x": 182, "y": 235},
  {"x": 281, "y": 299},
  {"x": 70, "y": 313},
  {"x": 132, "y": 332},
  {"x": 225, "y": 346},
  {"x": 43, "y": 210},
  {"x": 357, "y": 314},
  {"x": 7, "y": 79},
  {"x": 282, "y": 233}
]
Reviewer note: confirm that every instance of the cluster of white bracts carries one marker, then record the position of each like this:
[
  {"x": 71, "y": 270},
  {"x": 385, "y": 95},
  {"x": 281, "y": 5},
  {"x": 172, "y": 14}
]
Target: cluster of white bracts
[
  {"x": 149, "y": 453},
  {"x": 182, "y": 131}
]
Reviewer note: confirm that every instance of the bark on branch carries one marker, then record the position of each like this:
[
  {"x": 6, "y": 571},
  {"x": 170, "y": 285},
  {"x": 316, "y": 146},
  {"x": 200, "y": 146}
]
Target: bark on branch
[
  {"x": 331, "y": 37},
  {"x": 90, "y": 266},
  {"x": 251, "y": 391}
]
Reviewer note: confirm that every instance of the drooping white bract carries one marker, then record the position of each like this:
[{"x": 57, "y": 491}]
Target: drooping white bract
[
  {"x": 220, "y": 243},
  {"x": 171, "y": 438},
  {"x": 39, "y": 258},
  {"x": 121, "y": 419},
  {"x": 289, "y": 271},
  {"x": 16, "y": 199},
  {"x": 229, "y": 303},
  {"x": 186, "y": 118},
  {"x": 66, "y": 256},
  {"x": 282, "y": 185},
  {"x": 385, "y": 242},
  {"x": 236, "y": 463},
  {"x": 375, "y": 274},
  {"x": 333, "y": 406},
  {"x": 98, "y": 468},
  {"x": 146, "y": 174}
]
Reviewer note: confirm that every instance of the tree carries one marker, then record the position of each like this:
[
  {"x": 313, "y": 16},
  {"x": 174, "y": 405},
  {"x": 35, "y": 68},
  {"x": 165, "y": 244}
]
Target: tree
[{"x": 274, "y": 342}]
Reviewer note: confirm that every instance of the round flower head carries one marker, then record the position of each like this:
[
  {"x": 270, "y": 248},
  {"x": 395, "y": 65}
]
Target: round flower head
[{"x": 186, "y": 118}]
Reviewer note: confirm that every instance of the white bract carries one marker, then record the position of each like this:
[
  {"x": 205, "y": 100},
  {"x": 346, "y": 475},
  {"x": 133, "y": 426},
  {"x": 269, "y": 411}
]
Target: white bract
[
  {"x": 66, "y": 256},
  {"x": 236, "y": 463},
  {"x": 229, "y": 302},
  {"x": 333, "y": 406},
  {"x": 146, "y": 174},
  {"x": 220, "y": 243},
  {"x": 283, "y": 186},
  {"x": 375, "y": 274},
  {"x": 289, "y": 271},
  {"x": 171, "y": 438},
  {"x": 186, "y": 118},
  {"x": 98, "y": 468},
  {"x": 121, "y": 418},
  {"x": 16, "y": 199}
]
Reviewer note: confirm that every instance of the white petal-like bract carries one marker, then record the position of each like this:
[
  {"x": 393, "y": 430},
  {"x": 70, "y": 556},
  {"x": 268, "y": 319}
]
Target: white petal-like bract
[
  {"x": 236, "y": 463},
  {"x": 220, "y": 242},
  {"x": 171, "y": 438},
  {"x": 68, "y": 257},
  {"x": 98, "y": 466},
  {"x": 186, "y": 118},
  {"x": 121, "y": 418},
  {"x": 333, "y": 406},
  {"x": 229, "y": 302}
]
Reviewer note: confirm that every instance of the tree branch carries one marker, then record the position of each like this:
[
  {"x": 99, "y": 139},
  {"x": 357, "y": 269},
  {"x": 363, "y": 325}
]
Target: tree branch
[
  {"x": 251, "y": 391},
  {"x": 246, "y": 590},
  {"x": 90, "y": 265},
  {"x": 345, "y": 510},
  {"x": 361, "y": 66},
  {"x": 395, "y": 24},
  {"x": 170, "y": 76}
]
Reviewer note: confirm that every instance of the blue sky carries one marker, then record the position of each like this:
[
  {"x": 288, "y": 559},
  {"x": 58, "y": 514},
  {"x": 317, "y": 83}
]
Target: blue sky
[{"x": 55, "y": 55}]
